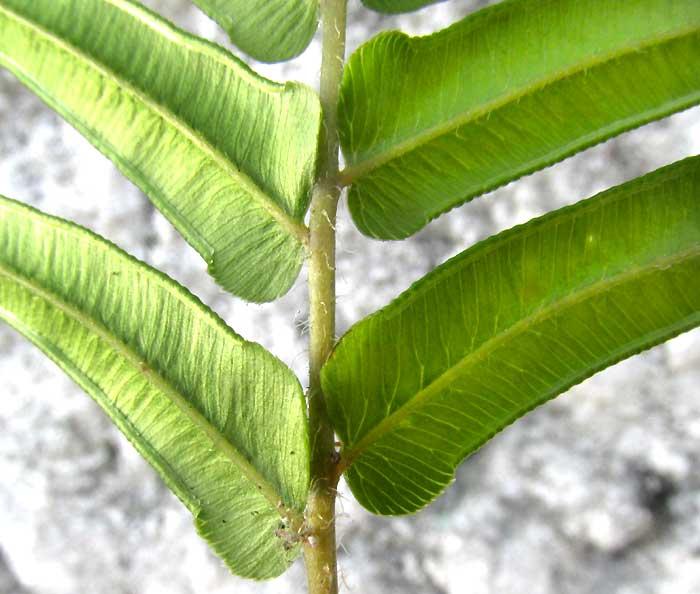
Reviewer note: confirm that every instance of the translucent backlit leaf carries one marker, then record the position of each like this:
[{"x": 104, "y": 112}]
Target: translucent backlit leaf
[
  {"x": 220, "y": 418},
  {"x": 226, "y": 155},
  {"x": 267, "y": 30}
]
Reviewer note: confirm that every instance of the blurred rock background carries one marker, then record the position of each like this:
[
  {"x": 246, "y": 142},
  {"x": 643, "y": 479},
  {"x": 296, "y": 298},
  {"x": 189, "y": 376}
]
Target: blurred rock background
[{"x": 597, "y": 492}]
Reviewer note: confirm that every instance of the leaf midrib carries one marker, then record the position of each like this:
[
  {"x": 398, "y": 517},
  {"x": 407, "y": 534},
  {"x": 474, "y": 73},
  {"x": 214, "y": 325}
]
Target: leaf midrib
[
  {"x": 363, "y": 167},
  {"x": 442, "y": 381},
  {"x": 294, "y": 228},
  {"x": 132, "y": 357}
]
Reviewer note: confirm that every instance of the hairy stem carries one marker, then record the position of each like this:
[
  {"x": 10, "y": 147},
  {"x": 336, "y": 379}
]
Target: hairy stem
[{"x": 320, "y": 544}]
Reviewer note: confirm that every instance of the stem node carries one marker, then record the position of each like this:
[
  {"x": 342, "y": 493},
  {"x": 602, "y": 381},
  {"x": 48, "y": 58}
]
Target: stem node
[{"x": 319, "y": 541}]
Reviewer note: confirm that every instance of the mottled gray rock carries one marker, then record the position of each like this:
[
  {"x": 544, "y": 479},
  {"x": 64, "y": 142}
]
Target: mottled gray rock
[{"x": 595, "y": 493}]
